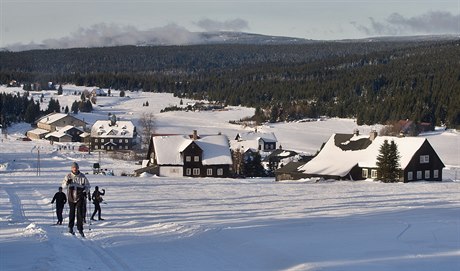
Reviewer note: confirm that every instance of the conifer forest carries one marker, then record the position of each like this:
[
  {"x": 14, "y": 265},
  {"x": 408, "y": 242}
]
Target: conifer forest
[{"x": 372, "y": 81}]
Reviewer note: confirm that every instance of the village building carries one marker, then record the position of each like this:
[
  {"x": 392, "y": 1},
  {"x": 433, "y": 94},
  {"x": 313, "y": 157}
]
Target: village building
[
  {"x": 189, "y": 156},
  {"x": 113, "y": 135},
  {"x": 279, "y": 158},
  {"x": 68, "y": 133},
  {"x": 264, "y": 143},
  {"x": 54, "y": 121},
  {"x": 67, "y": 127},
  {"x": 354, "y": 157}
]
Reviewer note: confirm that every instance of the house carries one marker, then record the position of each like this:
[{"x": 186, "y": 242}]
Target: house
[
  {"x": 68, "y": 133},
  {"x": 37, "y": 133},
  {"x": 279, "y": 157},
  {"x": 410, "y": 128},
  {"x": 354, "y": 157},
  {"x": 190, "y": 155},
  {"x": 113, "y": 135},
  {"x": 53, "y": 121},
  {"x": 98, "y": 92},
  {"x": 290, "y": 171},
  {"x": 261, "y": 142}
]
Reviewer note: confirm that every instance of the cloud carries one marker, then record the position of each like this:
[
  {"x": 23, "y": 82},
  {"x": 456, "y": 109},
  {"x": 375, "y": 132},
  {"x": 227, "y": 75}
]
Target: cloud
[
  {"x": 103, "y": 35},
  {"x": 434, "y": 22},
  {"x": 229, "y": 25}
]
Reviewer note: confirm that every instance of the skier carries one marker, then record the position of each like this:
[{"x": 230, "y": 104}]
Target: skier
[
  {"x": 77, "y": 186},
  {"x": 60, "y": 199},
  {"x": 97, "y": 199}
]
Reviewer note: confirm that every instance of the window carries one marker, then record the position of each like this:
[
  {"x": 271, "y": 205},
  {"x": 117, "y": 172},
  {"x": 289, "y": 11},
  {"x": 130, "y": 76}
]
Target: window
[
  {"x": 410, "y": 176},
  {"x": 419, "y": 175},
  {"x": 96, "y": 140},
  {"x": 120, "y": 141},
  {"x": 364, "y": 174},
  {"x": 102, "y": 140},
  {"x": 220, "y": 171},
  {"x": 120, "y": 147},
  {"x": 126, "y": 147},
  {"x": 111, "y": 140},
  {"x": 196, "y": 158},
  {"x": 188, "y": 158},
  {"x": 374, "y": 173},
  {"x": 424, "y": 159},
  {"x": 209, "y": 172},
  {"x": 435, "y": 174},
  {"x": 196, "y": 171},
  {"x": 188, "y": 171},
  {"x": 427, "y": 174},
  {"x": 126, "y": 140}
]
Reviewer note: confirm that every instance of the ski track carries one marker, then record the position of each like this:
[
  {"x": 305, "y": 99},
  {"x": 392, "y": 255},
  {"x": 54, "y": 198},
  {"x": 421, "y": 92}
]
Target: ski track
[
  {"x": 17, "y": 215},
  {"x": 109, "y": 259},
  {"x": 40, "y": 201}
]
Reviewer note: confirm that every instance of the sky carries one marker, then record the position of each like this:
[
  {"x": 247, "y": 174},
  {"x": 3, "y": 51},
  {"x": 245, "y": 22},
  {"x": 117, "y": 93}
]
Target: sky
[
  {"x": 71, "y": 23},
  {"x": 207, "y": 224}
]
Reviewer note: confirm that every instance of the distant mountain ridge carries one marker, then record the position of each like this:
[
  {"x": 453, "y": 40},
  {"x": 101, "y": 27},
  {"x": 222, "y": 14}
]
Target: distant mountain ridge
[{"x": 202, "y": 38}]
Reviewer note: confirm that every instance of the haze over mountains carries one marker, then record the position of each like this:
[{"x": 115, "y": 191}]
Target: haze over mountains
[{"x": 109, "y": 36}]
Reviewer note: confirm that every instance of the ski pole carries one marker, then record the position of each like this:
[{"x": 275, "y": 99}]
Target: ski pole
[
  {"x": 88, "y": 215},
  {"x": 52, "y": 210}
]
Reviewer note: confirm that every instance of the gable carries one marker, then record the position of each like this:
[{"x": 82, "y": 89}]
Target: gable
[
  {"x": 333, "y": 160},
  {"x": 214, "y": 149}
]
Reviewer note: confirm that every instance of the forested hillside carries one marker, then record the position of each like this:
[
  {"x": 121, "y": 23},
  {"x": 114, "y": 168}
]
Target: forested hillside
[{"x": 375, "y": 82}]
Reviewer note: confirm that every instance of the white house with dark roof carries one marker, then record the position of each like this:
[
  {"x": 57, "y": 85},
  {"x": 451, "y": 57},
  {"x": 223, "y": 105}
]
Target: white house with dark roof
[
  {"x": 113, "y": 135},
  {"x": 354, "y": 157},
  {"x": 190, "y": 155}
]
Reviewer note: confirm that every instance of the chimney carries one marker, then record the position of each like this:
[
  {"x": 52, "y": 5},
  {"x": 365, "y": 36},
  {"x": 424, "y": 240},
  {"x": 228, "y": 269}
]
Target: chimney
[
  {"x": 373, "y": 135},
  {"x": 195, "y": 135},
  {"x": 356, "y": 132}
]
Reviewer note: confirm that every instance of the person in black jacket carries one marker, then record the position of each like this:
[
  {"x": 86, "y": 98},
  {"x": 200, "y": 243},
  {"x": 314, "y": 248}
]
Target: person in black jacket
[
  {"x": 97, "y": 199},
  {"x": 60, "y": 199}
]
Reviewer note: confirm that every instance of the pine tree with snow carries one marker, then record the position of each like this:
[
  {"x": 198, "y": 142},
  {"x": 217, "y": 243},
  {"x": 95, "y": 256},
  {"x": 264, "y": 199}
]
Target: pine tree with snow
[{"x": 388, "y": 162}]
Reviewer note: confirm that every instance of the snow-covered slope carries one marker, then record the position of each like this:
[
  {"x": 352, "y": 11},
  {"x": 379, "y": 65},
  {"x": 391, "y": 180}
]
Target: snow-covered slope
[{"x": 223, "y": 224}]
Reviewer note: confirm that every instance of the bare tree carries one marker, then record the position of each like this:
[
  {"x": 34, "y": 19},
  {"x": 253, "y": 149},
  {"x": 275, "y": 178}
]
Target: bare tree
[{"x": 147, "y": 123}]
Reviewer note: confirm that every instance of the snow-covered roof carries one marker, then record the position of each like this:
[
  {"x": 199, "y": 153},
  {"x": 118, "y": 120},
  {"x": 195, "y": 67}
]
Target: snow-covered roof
[
  {"x": 245, "y": 145},
  {"x": 104, "y": 129},
  {"x": 62, "y": 131},
  {"x": 337, "y": 158},
  {"x": 266, "y": 137},
  {"x": 38, "y": 131},
  {"x": 51, "y": 118},
  {"x": 215, "y": 148}
]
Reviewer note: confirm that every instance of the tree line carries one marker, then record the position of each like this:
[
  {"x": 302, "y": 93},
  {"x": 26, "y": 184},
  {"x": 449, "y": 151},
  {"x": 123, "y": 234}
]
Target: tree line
[{"x": 374, "y": 82}]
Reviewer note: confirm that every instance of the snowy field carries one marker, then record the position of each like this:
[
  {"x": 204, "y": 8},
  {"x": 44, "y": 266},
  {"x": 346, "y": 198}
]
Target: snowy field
[{"x": 223, "y": 224}]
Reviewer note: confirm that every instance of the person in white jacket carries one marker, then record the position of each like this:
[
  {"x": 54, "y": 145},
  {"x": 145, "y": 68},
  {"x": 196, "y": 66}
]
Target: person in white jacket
[{"x": 77, "y": 188}]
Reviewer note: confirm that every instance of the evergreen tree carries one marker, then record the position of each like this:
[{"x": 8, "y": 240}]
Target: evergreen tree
[
  {"x": 66, "y": 110},
  {"x": 32, "y": 112},
  {"x": 253, "y": 166},
  {"x": 388, "y": 162},
  {"x": 394, "y": 165},
  {"x": 59, "y": 91},
  {"x": 122, "y": 93},
  {"x": 53, "y": 106},
  {"x": 75, "y": 107}
]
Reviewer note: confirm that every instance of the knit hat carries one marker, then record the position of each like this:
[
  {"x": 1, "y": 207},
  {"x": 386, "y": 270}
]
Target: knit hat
[{"x": 75, "y": 165}]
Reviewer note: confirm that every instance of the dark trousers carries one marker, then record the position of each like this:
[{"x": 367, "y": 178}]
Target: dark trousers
[
  {"x": 59, "y": 210},
  {"x": 97, "y": 209},
  {"x": 76, "y": 208}
]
